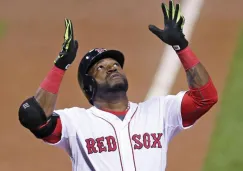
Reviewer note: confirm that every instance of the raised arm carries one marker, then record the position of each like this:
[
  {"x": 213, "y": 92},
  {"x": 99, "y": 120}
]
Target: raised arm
[
  {"x": 202, "y": 94},
  {"x": 35, "y": 113}
]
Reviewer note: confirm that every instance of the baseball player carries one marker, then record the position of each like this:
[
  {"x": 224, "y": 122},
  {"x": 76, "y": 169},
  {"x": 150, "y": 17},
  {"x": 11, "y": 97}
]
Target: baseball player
[{"x": 115, "y": 134}]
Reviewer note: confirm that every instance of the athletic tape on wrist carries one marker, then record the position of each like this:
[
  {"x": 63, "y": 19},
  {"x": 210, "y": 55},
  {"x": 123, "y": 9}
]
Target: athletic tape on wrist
[
  {"x": 188, "y": 58},
  {"x": 53, "y": 80}
]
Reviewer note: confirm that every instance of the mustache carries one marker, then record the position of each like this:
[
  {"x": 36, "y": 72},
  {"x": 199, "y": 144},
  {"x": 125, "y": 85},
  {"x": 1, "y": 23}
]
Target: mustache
[{"x": 113, "y": 74}]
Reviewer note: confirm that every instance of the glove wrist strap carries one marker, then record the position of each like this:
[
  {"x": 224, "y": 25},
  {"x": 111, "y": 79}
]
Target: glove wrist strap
[
  {"x": 183, "y": 45},
  {"x": 53, "y": 80},
  {"x": 188, "y": 58}
]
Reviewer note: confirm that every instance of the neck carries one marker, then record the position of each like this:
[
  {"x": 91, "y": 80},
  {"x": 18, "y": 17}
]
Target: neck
[{"x": 116, "y": 102}]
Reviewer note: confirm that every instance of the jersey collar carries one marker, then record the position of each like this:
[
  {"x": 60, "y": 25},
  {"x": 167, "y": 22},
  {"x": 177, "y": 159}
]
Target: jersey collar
[{"x": 107, "y": 115}]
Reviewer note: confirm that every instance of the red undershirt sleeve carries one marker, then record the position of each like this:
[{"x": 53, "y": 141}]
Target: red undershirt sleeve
[
  {"x": 57, "y": 133},
  {"x": 196, "y": 102}
]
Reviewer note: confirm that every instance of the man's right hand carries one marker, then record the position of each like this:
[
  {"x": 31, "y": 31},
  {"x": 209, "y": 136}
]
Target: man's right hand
[{"x": 69, "y": 48}]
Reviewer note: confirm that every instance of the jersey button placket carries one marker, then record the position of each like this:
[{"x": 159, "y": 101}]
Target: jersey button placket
[
  {"x": 118, "y": 127},
  {"x": 125, "y": 147}
]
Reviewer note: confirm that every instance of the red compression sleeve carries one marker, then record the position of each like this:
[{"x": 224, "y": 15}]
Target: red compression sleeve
[
  {"x": 53, "y": 80},
  {"x": 196, "y": 102},
  {"x": 188, "y": 58},
  {"x": 57, "y": 133}
]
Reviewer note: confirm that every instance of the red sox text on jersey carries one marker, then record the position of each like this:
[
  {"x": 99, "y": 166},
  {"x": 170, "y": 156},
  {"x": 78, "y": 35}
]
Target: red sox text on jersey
[{"x": 109, "y": 144}]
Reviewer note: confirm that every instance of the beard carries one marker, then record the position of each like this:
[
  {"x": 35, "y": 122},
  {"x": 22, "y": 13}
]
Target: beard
[{"x": 121, "y": 86}]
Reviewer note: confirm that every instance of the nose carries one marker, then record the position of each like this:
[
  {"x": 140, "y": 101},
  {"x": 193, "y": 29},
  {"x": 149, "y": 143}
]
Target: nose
[{"x": 111, "y": 69}]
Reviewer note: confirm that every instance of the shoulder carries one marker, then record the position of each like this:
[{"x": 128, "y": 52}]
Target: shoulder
[
  {"x": 72, "y": 116},
  {"x": 163, "y": 100},
  {"x": 152, "y": 101},
  {"x": 68, "y": 112}
]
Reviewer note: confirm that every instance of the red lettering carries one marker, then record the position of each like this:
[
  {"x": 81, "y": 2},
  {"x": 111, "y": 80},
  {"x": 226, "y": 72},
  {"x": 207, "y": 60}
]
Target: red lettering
[
  {"x": 100, "y": 144},
  {"x": 156, "y": 140},
  {"x": 90, "y": 144},
  {"x": 108, "y": 144},
  {"x": 136, "y": 138},
  {"x": 111, "y": 143},
  {"x": 146, "y": 140}
]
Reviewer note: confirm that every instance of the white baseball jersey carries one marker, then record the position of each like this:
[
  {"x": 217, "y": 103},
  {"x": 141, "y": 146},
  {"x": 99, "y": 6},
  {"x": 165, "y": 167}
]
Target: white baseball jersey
[{"x": 99, "y": 141}]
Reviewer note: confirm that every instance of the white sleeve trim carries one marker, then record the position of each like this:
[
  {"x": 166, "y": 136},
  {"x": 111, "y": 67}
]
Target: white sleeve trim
[{"x": 180, "y": 96}]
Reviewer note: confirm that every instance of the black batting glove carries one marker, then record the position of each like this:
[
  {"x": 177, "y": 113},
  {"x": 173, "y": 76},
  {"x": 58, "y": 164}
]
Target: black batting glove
[
  {"x": 69, "y": 48},
  {"x": 173, "y": 27}
]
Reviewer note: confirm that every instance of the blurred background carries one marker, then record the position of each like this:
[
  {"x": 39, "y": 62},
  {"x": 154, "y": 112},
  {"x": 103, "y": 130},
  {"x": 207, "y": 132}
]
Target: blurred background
[{"x": 31, "y": 35}]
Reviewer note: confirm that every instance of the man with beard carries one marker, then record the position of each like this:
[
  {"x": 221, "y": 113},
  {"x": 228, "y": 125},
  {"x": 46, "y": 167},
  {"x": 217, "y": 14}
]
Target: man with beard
[{"x": 116, "y": 134}]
